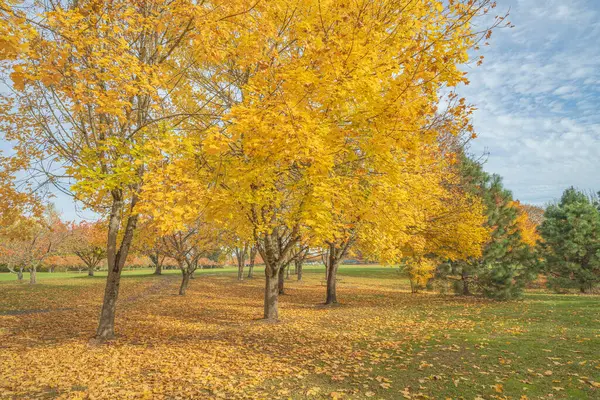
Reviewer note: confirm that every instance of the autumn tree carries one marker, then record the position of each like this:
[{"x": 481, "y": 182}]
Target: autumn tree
[
  {"x": 429, "y": 226},
  {"x": 571, "y": 242},
  {"x": 319, "y": 99},
  {"x": 30, "y": 240},
  {"x": 92, "y": 85},
  {"x": 285, "y": 272},
  {"x": 412, "y": 213},
  {"x": 88, "y": 242},
  {"x": 245, "y": 254},
  {"x": 148, "y": 242},
  {"x": 299, "y": 255},
  {"x": 189, "y": 247},
  {"x": 157, "y": 258}
]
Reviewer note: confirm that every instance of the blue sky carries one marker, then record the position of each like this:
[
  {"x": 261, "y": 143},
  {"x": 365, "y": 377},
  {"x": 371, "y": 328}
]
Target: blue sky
[{"x": 538, "y": 98}]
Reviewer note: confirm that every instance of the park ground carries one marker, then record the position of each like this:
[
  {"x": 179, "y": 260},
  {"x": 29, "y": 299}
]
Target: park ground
[{"x": 381, "y": 342}]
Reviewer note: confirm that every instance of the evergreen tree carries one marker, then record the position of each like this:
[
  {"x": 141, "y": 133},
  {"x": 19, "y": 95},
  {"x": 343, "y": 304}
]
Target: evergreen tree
[
  {"x": 505, "y": 265},
  {"x": 571, "y": 242}
]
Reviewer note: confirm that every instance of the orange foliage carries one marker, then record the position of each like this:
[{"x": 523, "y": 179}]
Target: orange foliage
[{"x": 526, "y": 226}]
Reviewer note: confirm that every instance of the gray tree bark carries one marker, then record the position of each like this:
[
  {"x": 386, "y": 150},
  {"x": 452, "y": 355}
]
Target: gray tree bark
[
  {"x": 185, "y": 281},
  {"x": 271, "y": 309},
  {"x": 116, "y": 256},
  {"x": 281, "y": 282}
]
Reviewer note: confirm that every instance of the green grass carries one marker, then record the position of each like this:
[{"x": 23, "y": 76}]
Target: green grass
[
  {"x": 374, "y": 272},
  {"x": 542, "y": 347},
  {"x": 42, "y": 276}
]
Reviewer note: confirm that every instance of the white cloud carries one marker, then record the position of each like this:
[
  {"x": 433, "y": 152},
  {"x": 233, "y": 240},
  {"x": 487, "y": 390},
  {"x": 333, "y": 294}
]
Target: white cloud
[{"x": 538, "y": 96}]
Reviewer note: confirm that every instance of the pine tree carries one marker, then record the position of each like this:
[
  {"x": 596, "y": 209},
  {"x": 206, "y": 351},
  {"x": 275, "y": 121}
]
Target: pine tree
[
  {"x": 504, "y": 267},
  {"x": 571, "y": 242}
]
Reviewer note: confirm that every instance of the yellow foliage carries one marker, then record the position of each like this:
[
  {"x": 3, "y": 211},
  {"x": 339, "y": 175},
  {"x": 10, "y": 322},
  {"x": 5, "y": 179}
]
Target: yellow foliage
[
  {"x": 331, "y": 126},
  {"x": 526, "y": 227}
]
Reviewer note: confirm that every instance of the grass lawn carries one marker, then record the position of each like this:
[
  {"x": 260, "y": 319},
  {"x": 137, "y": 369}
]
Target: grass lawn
[
  {"x": 42, "y": 276},
  {"x": 381, "y": 342}
]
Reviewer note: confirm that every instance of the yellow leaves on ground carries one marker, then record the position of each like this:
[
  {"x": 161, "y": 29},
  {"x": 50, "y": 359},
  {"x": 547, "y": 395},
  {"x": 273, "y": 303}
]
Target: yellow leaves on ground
[
  {"x": 381, "y": 343},
  {"x": 209, "y": 346}
]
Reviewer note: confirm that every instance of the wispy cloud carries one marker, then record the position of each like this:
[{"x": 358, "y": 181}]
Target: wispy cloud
[{"x": 538, "y": 98}]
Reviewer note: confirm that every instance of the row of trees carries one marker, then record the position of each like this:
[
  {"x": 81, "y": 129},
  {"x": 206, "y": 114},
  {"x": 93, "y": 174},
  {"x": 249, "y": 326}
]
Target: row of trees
[
  {"x": 29, "y": 241},
  {"x": 281, "y": 124},
  {"x": 559, "y": 244},
  {"x": 514, "y": 254}
]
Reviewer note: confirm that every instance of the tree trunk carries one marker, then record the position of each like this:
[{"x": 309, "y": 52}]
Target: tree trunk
[
  {"x": 466, "y": 291},
  {"x": 325, "y": 258},
  {"x": 116, "y": 261},
  {"x": 158, "y": 269},
  {"x": 32, "y": 276},
  {"x": 184, "y": 282},
  {"x": 253, "y": 251},
  {"x": 20, "y": 275},
  {"x": 299, "y": 270},
  {"x": 335, "y": 254},
  {"x": 271, "y": 311},
  {"x": 281, "y": 281},
  {"x": 331, "y": 283},
  {"x": 275, "y": 249},
  {"x": 106, "y": 327},
  {"x": 413, "y": 286},
  {"x": 90, "y": 270},
  {"x": 240, "y": 255}
]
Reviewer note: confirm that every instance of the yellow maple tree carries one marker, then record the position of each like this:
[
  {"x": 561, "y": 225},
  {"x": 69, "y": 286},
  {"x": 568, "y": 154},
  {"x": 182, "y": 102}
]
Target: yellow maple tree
[
  {"x": 93, "y": 84},
  {"x": 330, "y": 120}
]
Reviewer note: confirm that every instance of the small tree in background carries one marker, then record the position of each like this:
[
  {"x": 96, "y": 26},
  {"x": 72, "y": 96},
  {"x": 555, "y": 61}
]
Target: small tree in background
[
  {"x": 29, "y": 241},
  {"x": 190, "y": 247},
  {"x": 148, "y": 242},
  {"x": 89, "y": 244},
  {"x": 534, "y": 213},
  {"x": 300, "y": 254},
  {"x": 571, "y": 242},
  {"x": 252, "y": 260},
  {"x": 419, "y": 270},
  {"x": 240, "y": 251}
]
